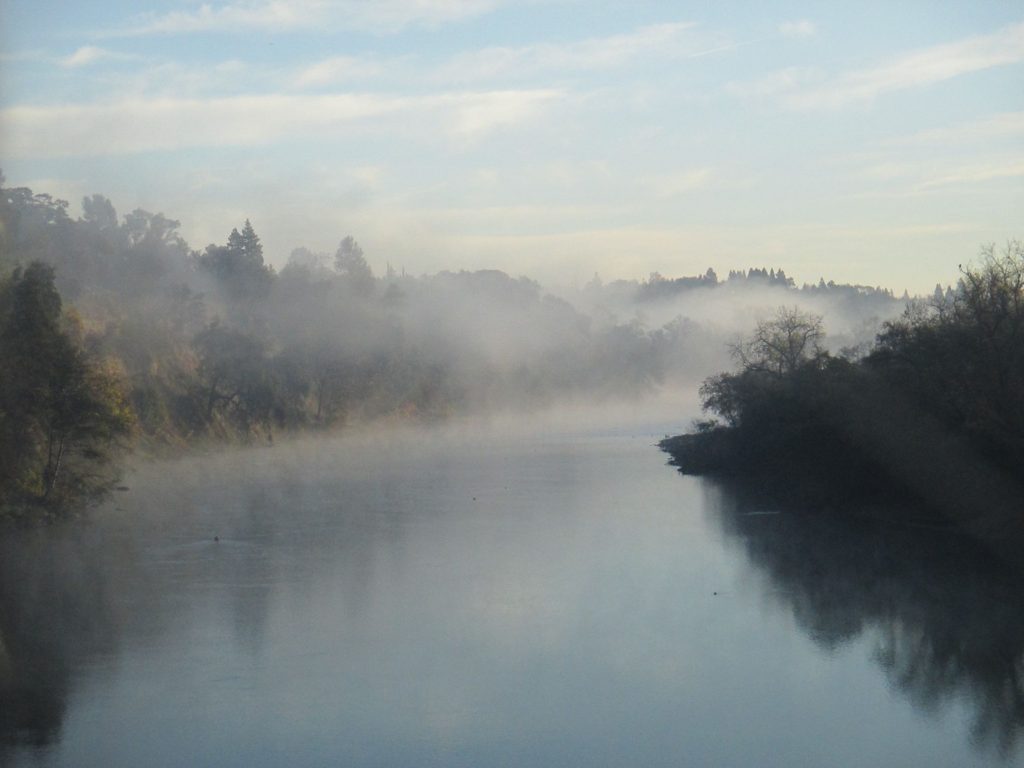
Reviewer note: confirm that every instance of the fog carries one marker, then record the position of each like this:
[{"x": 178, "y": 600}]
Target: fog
[
  {"x": 478, "y": 383},
  {"x": 213, "y": 342}
]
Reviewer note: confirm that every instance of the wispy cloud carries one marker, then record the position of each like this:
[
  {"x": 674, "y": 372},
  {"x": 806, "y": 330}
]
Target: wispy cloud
[
  {"x": 809, "y": 89},
  {"x": 145, "y": 125},
  {"x": 670, "y": 40},
  {"x": 242, "y": 16},
  {"x": 91, "y": 54},
  {"x": 974, "y": 174},
  {"x": 479, "y": 114},
  {"x": 33, "y": 55},
  {"x": 659, "y": 42},
  {"x": 392, "y": 15},
  {"x": 998, "y": 126},
  {"x": 669, "y": 185},
  {"x": 163, "y": 78},
  {"x": 968, "y": 152},
  {"x": 338, "y": 69},
  {"x": 801, "y": 28},
  {"x": 781, "y": 82},
  {"x": 287, "y": 15}
]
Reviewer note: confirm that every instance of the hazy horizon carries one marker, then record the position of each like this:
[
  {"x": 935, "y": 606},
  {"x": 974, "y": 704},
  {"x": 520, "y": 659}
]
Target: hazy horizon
[{"x": 873, "y": 144}]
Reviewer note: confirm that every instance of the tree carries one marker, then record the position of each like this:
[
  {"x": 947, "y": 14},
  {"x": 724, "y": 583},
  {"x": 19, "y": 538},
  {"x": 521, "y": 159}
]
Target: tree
[
  {"x": 782, "y": 344},
  {"x": 152, "y": 250},
  {"x": 349, "y": 261},
  {"x": 247, "y": 244},
  {"x": 61, "y": 413},
  {"x": 98, "y": 210},
  {"x": 772, "y": 362},
  {"x": 238, "y": 266},
  {"x": 962, "y": 356},
  {"x": 235, "y": 376},
  {"x": 302, "y": 258}
]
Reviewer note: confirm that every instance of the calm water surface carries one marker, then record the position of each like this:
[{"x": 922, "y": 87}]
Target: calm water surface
[{"x": 436, "y": 599}]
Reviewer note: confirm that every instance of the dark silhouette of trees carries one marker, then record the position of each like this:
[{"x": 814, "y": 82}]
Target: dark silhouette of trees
[
  {"x": 933, "y": 415},
  {"x": 962, "y": 356},
  {"x": 779, "y": 346},
  {"x": 788, "y": 344}
]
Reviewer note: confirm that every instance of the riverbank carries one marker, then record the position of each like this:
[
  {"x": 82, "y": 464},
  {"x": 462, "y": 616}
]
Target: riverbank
[{"x": 912, "y": 478}]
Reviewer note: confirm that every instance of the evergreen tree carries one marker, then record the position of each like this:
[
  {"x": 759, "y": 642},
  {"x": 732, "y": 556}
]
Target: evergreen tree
[
  {"x": 350, "y": 262},
  {"x": 238, "y": 266}
]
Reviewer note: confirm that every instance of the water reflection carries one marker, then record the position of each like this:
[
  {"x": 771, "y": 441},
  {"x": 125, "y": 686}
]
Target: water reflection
[
  {"x": 55, "y": 609},
  {"x": 945, "y": 618},
  {"x": 475, "y": 604}
]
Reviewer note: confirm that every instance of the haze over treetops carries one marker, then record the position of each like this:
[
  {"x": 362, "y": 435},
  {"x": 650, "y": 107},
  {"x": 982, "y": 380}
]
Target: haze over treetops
[{"x": 873, "y": 143}]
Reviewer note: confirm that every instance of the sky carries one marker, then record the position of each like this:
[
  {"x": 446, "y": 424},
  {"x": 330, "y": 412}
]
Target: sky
[{"x": 873, "y": 143}]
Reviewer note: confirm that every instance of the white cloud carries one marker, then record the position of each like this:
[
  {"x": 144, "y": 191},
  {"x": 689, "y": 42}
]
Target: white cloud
[
  {"x": 975, "y": 174},
  {"x": 803, "y": 89},
  {"x": 144, "y": 125},
  {"x": 967, "y": 153},
  {"x": 887, "y": 171},
  {"x": 474, "y": 115},
  {"x": 782, "y": 81},
  {"x": 680, "y": 183},
  {"x": 602, "y": 53},
  {"x": 33, "y": 55},
  {"x": 227, "y": 17},
  {"x": 392, "y": 15},
  {"x": 993, "y": 127},
  {"x": 90, "y": 54},
  {"x": 338, "y": 69},
  {"x": 801, "y": 28},
  {"x": 660, "y": 41},
  {"x": 172, "y": 79},
  {"x": 284, "y": 15}
]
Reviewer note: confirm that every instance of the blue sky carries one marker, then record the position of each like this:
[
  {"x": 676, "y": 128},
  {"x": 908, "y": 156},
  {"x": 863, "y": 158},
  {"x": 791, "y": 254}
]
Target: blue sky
[{"x": 877, "y": 143}]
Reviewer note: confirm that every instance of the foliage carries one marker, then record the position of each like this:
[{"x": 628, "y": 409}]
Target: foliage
[
  {"x": 61, "y": 412},
  {"x": 934, "y": 413},
  {"x": 351, "y": 263},
  {"x": 238, "y": 266},
  {"x": 216, "y": 344},
  {"x": 962, "y": 357},
  {"x": 234, "y": 376}
]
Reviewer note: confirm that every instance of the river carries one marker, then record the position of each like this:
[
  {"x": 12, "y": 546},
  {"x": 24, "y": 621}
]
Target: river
[{"x": 450, "y": 598}]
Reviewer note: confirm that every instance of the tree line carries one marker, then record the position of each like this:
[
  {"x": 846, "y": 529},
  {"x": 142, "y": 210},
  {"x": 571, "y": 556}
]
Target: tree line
[
  {"x": 164, "y": 346},
  {"x": 115, "y": 333},
  {"x": 931, "y": 415}
]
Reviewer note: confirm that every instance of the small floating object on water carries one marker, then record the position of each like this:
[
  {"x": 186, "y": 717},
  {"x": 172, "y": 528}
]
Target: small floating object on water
[
  {"x": 216, "y": 538},
  {"x": 122, "y": 488},
  {"x": 761, "y": 512}
]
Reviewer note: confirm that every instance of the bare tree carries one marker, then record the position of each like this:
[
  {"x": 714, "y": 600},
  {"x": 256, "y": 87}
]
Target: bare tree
[{"x": 781, "y": 344}]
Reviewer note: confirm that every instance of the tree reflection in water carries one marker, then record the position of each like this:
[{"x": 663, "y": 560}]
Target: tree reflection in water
[
  {"x": 947, "y": 618},
  {"x": 54, "y": 609}
]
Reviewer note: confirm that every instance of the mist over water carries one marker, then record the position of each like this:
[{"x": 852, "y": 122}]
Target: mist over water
[
  {"x": 490, "y": 383},
  {"x": 467, "y": 596}
]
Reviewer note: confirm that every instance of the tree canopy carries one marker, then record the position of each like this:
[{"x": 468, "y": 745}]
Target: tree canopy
[{"x": 61, "y": 412}]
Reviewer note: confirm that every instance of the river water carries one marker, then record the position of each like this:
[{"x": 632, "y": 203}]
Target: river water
[{"x": 447, "y": 598}]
